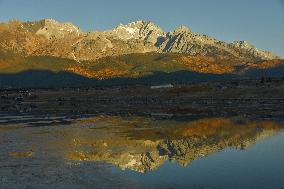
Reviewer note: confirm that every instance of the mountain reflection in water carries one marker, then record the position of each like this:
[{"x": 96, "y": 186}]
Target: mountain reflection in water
[
  {"x": 143, "y": 144},
  {"x": 67, "y": 151}
]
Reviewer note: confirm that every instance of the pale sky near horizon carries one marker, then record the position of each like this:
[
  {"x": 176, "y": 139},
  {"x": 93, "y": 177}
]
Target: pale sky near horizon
[{"x": 261, "y": 22}]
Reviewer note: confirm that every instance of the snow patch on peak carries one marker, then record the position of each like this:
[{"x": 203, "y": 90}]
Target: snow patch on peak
[
  {"x": 131, "y": 30},
  {"x": 140, "y": 29},
  {"x": 243, "y": 44}
]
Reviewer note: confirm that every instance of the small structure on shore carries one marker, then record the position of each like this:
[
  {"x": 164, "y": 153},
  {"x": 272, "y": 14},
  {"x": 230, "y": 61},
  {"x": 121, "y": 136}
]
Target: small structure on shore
[{"x": 162, "y": 86}]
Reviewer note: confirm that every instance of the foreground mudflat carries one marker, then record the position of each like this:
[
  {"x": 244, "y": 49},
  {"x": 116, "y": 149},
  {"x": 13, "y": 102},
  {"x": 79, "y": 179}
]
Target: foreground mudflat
[
  {"x": 103, "y": 151},
  {"x": 247, "y": 98}
]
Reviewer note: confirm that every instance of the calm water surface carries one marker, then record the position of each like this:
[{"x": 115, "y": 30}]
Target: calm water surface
[{"x": 59, "y": 151}]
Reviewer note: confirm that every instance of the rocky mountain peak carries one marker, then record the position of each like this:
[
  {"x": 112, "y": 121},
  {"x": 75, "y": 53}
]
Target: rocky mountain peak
[
  {"x": 49, "y": 21},
  {"x": 53, "y": 29},
  {"x": 136, "y": 23},
  {"x": 182, "y": 29},
  {"x": 243, "y": 44},
  {"x": 140, "y": 29},
  {"x": 258, "y": 54}
]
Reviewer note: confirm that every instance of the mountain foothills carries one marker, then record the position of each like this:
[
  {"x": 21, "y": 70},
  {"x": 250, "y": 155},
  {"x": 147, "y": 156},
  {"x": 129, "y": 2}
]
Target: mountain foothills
[{"x": 133, "y": 50}]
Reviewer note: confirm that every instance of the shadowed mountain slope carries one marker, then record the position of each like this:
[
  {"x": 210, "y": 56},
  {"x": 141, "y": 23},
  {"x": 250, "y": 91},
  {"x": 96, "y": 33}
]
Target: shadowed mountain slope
[{"x": 146, "y": 68}]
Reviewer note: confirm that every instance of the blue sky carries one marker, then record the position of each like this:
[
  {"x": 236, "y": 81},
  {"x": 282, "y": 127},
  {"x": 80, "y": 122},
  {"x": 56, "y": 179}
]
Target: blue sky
[{"x": 260, "y": 22}]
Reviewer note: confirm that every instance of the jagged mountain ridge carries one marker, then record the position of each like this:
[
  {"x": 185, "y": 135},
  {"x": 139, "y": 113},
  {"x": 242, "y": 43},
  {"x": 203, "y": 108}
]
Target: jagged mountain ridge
[
  {"x": 183, "y": 40},
  {"x": 51, "y": 38}
]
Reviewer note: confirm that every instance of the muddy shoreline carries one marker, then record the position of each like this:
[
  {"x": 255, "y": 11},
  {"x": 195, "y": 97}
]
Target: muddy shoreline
[{"x": 247, "y": 98}]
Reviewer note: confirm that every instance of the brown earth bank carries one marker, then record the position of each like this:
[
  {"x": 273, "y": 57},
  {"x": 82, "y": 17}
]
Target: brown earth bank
[{"x": 248, "y": 98}]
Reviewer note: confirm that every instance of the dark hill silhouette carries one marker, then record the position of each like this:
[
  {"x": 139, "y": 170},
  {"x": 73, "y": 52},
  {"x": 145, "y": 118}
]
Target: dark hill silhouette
[
  {"x": 48, "y": 79},
  {"x": 277, "y": 71}
]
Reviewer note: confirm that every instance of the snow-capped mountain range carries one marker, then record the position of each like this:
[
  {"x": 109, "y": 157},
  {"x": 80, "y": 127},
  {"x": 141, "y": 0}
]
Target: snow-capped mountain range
[{"x": 49, "y": 37}]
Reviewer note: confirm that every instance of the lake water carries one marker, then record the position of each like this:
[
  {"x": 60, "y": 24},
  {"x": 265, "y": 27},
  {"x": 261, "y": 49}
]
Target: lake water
[{"x": 59, "y": 151}]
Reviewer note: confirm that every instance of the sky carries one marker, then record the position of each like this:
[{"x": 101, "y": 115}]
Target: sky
[{"x": 261, "y": 22}]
